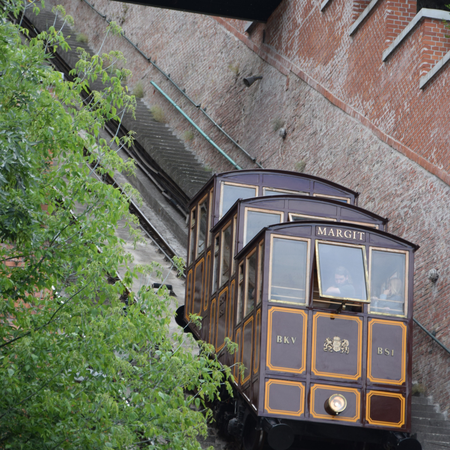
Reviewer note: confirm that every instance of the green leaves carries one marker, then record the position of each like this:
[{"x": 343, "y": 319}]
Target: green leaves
[{"x": 77, "y": 370}]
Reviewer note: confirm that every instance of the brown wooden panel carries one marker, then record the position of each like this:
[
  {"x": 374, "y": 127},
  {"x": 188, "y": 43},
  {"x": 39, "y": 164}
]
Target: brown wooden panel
[
  {"x": 386, "y": 354},
  {"x": 247, "y": 347},
  {"x": 232, "y": 302},
  {"x": 189, "y": 288},
  {"x": 213, "y": 322},
  {"x": 198, "y": 287},
  {"x": 206, "y": 289},
  {"x": 257, "y": 348},
  {"x": 284, "y": 398},
  {"x": 237, "y": 359},
  {"x": 385, "y": 409},
  {"x": 222, "y": 319},
  {"x": 320, "y": 394},
  {"x": 336, "y": 346},
  {"x": 286, "y": 340}
]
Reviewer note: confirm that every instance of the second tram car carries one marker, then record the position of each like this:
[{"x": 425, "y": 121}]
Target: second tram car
[{"x": 318, "y": 296}]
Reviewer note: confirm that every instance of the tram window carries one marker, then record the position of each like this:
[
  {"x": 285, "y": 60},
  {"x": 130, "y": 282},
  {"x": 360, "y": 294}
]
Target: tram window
[
  {"x": 233, "y": 192},
  {"x": 192, "y": 235},
  {"x": 267, "y": 191},
  {"x": 260, "y": 272},
  {"x": 342, "y": 271},
  {"x": 302, "y": 217},
  {"x": 211, "y": 216},
  {"x": 388, "y": 288},
  {"x": 333, "y": 197},
  {"x": 366, "y": 224},
  {"x": 202, "y": 225},
  {"x": 233, "y": 264},
  {"x": 215, "y": 265},
  {"x": 256, "y": 220},
  {"x": 226, "y": 254},
  {"x": 240, "y": 299},
  {"x": 250, "y": 282},
  {"x": 288, "y": 270}
]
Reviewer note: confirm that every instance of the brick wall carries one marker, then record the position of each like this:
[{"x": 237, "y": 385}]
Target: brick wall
[{"x": 350, "y": 117}]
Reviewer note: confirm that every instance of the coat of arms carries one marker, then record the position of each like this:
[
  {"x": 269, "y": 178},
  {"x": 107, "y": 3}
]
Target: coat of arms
[{"x": 336, "y": 345}]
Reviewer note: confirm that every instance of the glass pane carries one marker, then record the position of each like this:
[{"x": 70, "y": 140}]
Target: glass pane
[
  {"x": 289, "y": 262},
  {"x": 272, "y": 191},
  {"x": 215, "y": 266},
  {"x": 256, "y": 221},
  {"x": 240, "y": 299},
  {"x": 251, "y": 283},
  {"x": 302, "y": 218},
  {"x": 192, "y": 236},
  {"x": 203, "y": 221},
  {"x": 260, "y": 272},
  {"x": 226, "y": 253},
  {"x": 231, "y": 193},
  {"x": 342, "y": 272},
  {"x": 388, "y": 282}
]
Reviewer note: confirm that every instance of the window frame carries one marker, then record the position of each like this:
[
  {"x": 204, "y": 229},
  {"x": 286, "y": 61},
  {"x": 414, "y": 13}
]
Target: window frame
[
  {"x": 366, "y": 273},
  {"x": 247, "y": 279},
  {"x": 333, "y": 197},
  {"x": 307, "y": 216},
  {"x": 221, "y": 249},
  {"x": 406, "y": 281},
  {"x": 197, "y": 232},
  {"x": 308, "y": 274},
  {"x": 230, "y": 183},
  {"x": 283, "y": 191},
  {"x": 268, "y": 211}
]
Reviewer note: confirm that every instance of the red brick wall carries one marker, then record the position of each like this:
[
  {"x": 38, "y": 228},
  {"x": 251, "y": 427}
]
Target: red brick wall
[{"x": 350, "y": 117}]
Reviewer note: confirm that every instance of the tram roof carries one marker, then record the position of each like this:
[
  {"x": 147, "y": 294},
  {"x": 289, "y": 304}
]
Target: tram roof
[
  {"x": 359, "y": 213},
  {"x": 248, "y": 173}
]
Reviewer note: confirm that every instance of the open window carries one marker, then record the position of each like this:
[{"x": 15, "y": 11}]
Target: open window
[
  {"x": 342, "y": 272},
  {"x": 251, "y": 265},
  {"x": 231, "y": 192},
  {"x": 267, "y": 191},
  {"x": 289, "y": 271},
  {"x": 202, "y": 225},
  {"x": 333, "y": 197},
  {"x": 295, "y": 217},
  {"x": 256, "y": 219},
  {"x": 388, "y": 281},
  {"x": 241, "y": 294},
  {"x": 192, "y": 228},
  {"x": 225, "y": 259}
]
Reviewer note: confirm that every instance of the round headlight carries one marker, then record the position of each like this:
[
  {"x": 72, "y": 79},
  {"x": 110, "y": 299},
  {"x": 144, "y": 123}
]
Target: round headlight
[{"x": 335, "y": 404}]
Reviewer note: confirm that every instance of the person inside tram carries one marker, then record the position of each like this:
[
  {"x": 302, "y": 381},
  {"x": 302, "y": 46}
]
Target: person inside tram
[
  {"x": 342, "y": 286},
  {"x": 394, "y": 290},
  {"x": 391, "y": 299}
]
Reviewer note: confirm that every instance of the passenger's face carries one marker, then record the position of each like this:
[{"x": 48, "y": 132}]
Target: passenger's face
[{"x": 340, "y": 279}]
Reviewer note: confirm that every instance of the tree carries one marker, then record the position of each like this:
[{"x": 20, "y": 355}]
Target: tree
[{"x": 77, "y": 369}]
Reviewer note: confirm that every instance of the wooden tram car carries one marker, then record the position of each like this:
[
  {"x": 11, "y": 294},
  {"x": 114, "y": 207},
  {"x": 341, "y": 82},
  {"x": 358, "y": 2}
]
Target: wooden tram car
[{"x": 318, "y": 296}]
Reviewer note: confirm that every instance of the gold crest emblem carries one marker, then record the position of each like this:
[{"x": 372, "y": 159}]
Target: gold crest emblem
[{"x": 336, "y": 345}]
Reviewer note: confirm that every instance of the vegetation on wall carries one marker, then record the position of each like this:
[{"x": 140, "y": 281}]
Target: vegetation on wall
[{"x": 78, "y": 369}]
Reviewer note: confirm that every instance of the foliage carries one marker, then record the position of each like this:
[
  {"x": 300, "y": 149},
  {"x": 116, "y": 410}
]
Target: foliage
[
  {"x": 158, "y": 113},
  {"x": 77, "y": 369},
  {"x": 82, "y": 38},
  {"x": 138, "y": 90},
  {"x": 188, "y": 135}
]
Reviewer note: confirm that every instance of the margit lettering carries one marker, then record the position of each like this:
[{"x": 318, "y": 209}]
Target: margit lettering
[{"x": 341, "y": 233}]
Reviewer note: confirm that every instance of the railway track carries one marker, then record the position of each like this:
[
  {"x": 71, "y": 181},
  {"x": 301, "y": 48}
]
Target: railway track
[{"x": 175, "y": 197}]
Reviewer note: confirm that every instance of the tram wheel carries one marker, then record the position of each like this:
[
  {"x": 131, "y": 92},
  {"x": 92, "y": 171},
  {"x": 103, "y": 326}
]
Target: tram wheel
[{"x": 252, "y": 438}]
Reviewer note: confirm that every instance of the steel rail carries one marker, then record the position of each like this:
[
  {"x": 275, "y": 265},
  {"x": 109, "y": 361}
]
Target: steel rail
[{"x": 61, "y": 65}]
